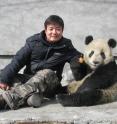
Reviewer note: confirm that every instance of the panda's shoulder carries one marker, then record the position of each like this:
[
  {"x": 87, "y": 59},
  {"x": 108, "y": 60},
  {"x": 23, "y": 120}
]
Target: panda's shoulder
[{"x": 111, "y": 66}]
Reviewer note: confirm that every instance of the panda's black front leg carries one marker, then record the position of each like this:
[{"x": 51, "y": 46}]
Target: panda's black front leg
[
  {"x": 62, "y": 99},
  {"x": 68, "y": 100},
  {"x": 83, "y": 98}
]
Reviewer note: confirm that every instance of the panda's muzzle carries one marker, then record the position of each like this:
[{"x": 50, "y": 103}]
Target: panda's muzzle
[{"x": 95, "y": 62}]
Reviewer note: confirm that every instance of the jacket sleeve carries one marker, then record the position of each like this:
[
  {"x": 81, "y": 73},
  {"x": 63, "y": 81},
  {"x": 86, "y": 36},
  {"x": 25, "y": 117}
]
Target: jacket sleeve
[
  {"x": 18, "y": 61},
  {"x": 72, "y": 52},
  {"x": 79, "y": 70},
  {"x": 56, "y": 59}
]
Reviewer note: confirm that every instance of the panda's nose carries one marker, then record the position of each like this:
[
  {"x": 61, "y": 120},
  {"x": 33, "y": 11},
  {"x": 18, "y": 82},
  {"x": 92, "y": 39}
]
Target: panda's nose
[{"x": 95, "y": 62}]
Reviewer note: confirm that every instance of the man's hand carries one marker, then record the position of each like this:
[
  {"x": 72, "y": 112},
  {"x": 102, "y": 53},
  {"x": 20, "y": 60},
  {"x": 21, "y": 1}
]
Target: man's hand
[
  {"x": 81, "y": 59},
  {"x": 4, "y": 86}
]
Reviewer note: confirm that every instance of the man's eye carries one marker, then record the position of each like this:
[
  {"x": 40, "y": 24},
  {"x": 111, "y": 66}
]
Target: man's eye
[
  {"x": 58, "y": 29},
  {"x": 50, "y": 29}
]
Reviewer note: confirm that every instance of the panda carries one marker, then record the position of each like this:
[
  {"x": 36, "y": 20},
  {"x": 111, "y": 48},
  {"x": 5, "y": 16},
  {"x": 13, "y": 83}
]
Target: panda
[{"x": 98, "y": 78}]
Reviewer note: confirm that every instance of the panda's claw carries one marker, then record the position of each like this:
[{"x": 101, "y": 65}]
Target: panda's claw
[{"x": 61, "y": 98}]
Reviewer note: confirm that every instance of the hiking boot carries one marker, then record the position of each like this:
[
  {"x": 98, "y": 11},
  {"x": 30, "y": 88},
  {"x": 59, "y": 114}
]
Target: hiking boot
[
  {"x": 12, "y": 99},
  {"x": 35, "y": 100},
  {"x": 2, "y": 103}
]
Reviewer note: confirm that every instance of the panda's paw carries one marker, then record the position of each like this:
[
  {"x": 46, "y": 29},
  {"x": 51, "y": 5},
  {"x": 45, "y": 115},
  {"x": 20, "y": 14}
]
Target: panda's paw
[{"x": 62, "y": 99}]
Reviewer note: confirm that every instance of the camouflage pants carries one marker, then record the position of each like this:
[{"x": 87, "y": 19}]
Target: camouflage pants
[{"x": 42, "y": 82}]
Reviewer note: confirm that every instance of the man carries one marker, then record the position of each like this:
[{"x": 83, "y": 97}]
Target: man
[{"x": 44, "y": 56}]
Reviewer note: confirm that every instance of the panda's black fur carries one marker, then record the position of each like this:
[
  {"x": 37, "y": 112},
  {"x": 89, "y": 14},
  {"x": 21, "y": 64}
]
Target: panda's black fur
[{"x": 98, "y": 86}]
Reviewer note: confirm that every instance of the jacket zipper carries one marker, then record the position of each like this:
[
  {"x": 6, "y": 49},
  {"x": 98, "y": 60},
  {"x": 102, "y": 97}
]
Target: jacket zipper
[{"x": 52, "y": 48}]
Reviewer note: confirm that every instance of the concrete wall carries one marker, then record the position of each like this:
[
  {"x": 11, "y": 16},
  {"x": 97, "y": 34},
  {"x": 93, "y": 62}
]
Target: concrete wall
[{"x": 21, "y": 18}]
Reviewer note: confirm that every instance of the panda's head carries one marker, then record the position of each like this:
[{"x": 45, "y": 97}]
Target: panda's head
[{"x": 98, "y": 52}]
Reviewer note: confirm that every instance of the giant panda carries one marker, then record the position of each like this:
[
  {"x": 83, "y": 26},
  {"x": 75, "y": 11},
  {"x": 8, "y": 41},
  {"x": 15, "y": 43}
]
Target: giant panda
[{"x": 98, "y": 84}]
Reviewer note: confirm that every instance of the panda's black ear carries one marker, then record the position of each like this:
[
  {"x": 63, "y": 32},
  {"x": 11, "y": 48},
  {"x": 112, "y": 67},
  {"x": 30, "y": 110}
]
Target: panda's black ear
[
  {"x": 88, "y": 39},
  {"x": 112, "y": 43}
]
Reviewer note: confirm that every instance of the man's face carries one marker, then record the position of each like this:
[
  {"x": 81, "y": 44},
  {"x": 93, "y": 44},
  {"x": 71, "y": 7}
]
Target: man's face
[{"x": 53, "y": 33}]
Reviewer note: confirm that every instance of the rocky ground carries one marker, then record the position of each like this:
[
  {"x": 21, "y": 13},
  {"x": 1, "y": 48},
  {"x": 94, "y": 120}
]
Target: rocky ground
[{"x": 53, "y": 113}]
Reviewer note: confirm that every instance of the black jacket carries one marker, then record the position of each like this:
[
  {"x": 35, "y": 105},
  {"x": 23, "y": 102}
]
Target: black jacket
[{"x": 38, "y": 54}]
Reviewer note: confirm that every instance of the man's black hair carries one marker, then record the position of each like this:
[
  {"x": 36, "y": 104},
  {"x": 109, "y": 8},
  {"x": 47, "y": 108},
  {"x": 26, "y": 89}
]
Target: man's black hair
[{"x": 54, "y": 19}]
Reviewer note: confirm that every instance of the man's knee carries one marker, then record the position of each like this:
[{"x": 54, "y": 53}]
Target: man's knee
[
  {"x": 44, "y": 79},
  {"x": 51, "y": 78},
  {"x": 48, "y": 75}
]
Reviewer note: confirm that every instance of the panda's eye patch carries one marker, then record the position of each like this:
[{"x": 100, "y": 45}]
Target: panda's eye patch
[
  {"x": 91, "y": 53},
  {"x": 103, "y": 55}
]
